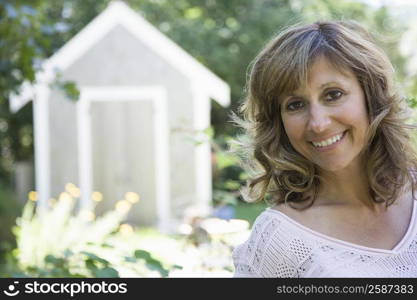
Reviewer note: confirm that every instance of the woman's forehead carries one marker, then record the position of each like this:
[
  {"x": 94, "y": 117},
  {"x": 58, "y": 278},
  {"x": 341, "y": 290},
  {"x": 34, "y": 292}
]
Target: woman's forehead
[{"x": 321, "y": 73}]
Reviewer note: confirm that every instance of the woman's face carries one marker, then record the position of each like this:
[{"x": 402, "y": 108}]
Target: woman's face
[{"x": 326, "y": 121}]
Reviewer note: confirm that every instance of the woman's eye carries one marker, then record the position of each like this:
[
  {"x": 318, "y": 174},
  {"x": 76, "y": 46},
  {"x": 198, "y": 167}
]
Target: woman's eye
[
  {"x": 333, "y": 95},
  {"x": 295, "y": 105}
]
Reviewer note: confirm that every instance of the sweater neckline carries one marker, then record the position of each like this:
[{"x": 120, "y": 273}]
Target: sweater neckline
[{"x": 397, "y": 248}]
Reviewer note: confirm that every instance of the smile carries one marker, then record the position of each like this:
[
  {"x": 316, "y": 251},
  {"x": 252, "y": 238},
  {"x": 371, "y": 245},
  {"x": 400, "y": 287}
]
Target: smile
[{"x": 329, "y": 141}]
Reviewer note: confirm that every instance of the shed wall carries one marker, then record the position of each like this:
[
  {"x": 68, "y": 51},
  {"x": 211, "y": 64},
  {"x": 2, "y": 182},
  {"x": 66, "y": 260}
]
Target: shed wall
[
  {"x": 63, "y": 142},
  {"x": 120, "y": 59},
  {"x": 124, "y": 155}
]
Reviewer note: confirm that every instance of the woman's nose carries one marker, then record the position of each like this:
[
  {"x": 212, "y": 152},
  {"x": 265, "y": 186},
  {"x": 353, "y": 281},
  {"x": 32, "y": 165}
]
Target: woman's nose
[{"x": 319, "y": 119}]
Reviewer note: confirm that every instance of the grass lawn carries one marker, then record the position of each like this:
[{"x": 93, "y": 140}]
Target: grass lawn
[{"x": 249, "y": 211}]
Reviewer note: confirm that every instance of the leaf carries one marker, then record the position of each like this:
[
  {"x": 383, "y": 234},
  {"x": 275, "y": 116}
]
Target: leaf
[
  {"x": 412, "y": 102},
  {"x": 151, "y": 262},
  {"x": 94, "y": 257},
  {"x": 193, "y": 13},
  {"x": 232, "y": 185},
  {"x": 224, "y": 197},
  {"x": 68, "y": 253},
  {"x": 156, "y": 266},
  {"x": 178, "y": 267},
  {"x": 209, "y": 131},
  {"x": 106, "y": 272},
  {"x": 142, "y": 254},
  {"x": 53, "y": 260},
  {"x": 225, "y": 160},
  {"x": 130, "y": 259},
  {"x": 20, "y": 274},
  {"x": 71, "y": 90},
  {"x": 77, "y": 275},
  {"x": 91, "y": 265}
]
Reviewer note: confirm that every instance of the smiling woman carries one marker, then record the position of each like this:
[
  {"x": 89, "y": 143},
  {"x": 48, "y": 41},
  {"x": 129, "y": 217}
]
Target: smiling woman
[
  {"x": 330, "y": 150},
  {"x": 327, "y": 124}
]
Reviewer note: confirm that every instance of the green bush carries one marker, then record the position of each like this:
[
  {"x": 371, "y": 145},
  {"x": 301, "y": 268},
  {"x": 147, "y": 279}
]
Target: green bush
[
  {"x": 58, "y": 242},
  {"x": 9, "y": 211},
  {"x": 228, "y": 175}
]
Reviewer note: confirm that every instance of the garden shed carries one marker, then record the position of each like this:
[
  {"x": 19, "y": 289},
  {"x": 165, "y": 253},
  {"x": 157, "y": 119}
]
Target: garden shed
[{"x": 143, "y": 103}]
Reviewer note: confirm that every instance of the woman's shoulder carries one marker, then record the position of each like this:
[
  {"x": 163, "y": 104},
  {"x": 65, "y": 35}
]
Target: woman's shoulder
[
  {"x": 310, "y": 217},
  {"x": 265, "y": 227},
  {"x": 268, "y": 250},
  {"x": 271, "y": 223}
]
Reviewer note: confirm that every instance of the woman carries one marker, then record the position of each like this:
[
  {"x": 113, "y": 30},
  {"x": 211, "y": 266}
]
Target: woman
[{"x": 330, "y": 150}]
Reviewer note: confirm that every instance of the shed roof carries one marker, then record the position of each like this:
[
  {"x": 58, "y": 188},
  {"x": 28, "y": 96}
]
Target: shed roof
[{"x": 118, "y": 13}]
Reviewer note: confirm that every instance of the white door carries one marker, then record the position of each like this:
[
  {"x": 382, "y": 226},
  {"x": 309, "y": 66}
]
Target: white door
[{"x": 123, "y": 155}]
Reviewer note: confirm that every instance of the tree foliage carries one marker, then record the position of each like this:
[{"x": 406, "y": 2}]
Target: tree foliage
[{"x": 224, "y": 35}]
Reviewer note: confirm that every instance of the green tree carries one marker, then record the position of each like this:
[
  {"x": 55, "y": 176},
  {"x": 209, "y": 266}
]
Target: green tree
[{"x": 224, "y": 35}]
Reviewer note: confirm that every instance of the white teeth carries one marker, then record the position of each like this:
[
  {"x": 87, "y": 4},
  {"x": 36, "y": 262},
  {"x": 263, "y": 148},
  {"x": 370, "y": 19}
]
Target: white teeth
[{"x": 329, "y": 141}]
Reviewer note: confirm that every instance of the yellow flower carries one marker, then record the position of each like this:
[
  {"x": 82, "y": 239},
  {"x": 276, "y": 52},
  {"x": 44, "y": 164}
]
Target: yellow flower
[
  {"x": 97, "y": 196},
  {"x": 125, "y": 229},
  {"x": 123, "y": 206},
  {"x": 65, "y": 197},
  {"x": 33, "y": 196},
  {"x": 72, "y": 190},
  {"x": 88, "y": 215},
  {"x": 132, "y": 197}
]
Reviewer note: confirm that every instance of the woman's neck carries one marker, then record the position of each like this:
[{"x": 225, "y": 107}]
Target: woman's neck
[{"x": 349, "y": 186}]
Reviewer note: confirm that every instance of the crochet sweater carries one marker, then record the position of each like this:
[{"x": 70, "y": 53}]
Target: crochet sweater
[{"x": 278, "y": 246}]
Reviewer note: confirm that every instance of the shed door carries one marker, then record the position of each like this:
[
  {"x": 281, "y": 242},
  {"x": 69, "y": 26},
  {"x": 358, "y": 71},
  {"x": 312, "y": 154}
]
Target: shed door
[{"x": 123, "y": 155}]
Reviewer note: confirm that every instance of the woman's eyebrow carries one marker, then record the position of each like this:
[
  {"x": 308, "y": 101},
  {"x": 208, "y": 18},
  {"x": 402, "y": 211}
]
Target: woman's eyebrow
[
  {"x": 327, "y": 84},
  {"x": 299, "y": 94},
  {"x": 293, "y": 94},
  {"x": 286, "y": 97}
]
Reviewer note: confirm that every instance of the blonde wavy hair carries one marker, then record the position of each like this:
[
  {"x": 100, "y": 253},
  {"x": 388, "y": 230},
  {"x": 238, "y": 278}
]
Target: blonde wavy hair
[{"x": 277, "y": 172}]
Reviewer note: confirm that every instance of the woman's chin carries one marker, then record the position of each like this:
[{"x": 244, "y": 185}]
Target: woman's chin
[{"x": 332, "y": 166}]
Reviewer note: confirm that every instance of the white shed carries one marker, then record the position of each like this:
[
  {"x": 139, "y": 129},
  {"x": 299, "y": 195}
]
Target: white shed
[{"x": 141, "y": 97}]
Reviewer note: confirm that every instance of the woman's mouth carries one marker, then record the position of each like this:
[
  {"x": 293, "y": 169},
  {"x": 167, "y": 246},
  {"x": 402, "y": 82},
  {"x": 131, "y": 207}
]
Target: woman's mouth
[{"x": 329, "y": 143}]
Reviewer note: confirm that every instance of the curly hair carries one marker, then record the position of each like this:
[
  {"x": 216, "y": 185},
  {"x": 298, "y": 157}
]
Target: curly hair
[{"x": 278, "y": 173}]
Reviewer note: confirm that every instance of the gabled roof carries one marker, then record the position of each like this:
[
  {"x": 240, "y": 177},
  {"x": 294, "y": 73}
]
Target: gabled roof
[{"x": 118, "y": 13}]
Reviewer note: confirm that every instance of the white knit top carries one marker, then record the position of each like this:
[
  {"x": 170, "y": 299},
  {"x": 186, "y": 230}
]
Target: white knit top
[{"x": 278, "y": 246}]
